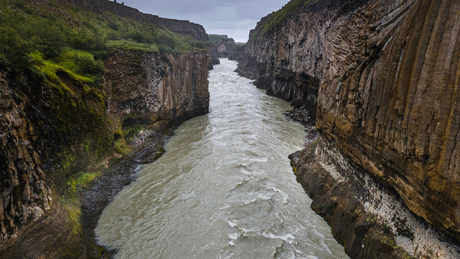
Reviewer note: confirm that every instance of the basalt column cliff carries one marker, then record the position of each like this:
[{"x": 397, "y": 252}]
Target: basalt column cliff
[
  {"x": 66, "y": 117},
  {"x": 381, "y": 77}
]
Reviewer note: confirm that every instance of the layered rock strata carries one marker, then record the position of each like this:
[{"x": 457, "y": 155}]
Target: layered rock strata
[{"x": 387, "y": 74}]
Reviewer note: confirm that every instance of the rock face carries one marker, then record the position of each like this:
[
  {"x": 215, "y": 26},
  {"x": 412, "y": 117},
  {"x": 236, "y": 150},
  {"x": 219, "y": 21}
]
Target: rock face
[
  {"x": 53, "y": 131},
  {"x": 223, "y": 46},
  {"x": 23, "y": 190},
  {"x": 384, "y": 74},
  {"x": 146, "y": 88}
]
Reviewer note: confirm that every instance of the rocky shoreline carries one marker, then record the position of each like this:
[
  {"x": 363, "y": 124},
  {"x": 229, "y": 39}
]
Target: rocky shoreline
[
  {"x": 367, "y": 217},
  {"x": 100, "y": 192},
  {"x": 54, "y": 229}
]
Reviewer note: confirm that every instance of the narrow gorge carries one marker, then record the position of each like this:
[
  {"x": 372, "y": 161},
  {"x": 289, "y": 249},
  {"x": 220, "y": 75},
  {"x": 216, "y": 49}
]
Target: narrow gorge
[{"x": 331, "y": 133}]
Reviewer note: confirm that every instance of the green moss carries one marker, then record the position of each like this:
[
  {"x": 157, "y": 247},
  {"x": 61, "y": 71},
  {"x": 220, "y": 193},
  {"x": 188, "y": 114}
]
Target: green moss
[
  {"x": 120, "y": 147},
  {"x": 130, "y": 133},
  {"x": 49, "y": 29},
  {"x": 74, "y": 213},
  {"x": 77, "y": 183}
]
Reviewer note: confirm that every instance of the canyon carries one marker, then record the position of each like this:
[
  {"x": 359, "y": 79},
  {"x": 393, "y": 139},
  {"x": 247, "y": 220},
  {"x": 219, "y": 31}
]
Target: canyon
[
  {"x": 379, "y": 78},
  {"x": 374, "y": 82}
]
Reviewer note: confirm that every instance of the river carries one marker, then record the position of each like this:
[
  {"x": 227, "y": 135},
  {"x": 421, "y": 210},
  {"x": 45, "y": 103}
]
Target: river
[{"x": 223, "y": 189}]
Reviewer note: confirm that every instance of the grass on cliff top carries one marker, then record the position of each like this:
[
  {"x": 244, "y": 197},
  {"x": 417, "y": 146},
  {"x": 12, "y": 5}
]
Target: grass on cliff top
[
  {"x": 219, "y": 38},
  {"x": 50, "y": 28},
  {"x": 277, "y": 18}
]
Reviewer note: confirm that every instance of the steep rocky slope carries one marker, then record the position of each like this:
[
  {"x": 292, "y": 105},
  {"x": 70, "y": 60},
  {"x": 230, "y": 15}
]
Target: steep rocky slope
[
  {"x": 60, "y": 132},
  {"x": 382, "y": 79}
]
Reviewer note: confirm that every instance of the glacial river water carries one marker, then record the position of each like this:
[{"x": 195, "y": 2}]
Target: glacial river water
[{"x": 223, "y": 189}]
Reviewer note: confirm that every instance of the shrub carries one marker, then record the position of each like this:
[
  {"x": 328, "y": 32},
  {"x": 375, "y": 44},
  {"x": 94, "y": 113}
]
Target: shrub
[
  {"x": 112, "y": 25},
  {"x": 87, "y": 65},
  {"x": 13, "y": 50},
  {"x": 49, "y": 38},
  {"x": 84, "y": 40}
]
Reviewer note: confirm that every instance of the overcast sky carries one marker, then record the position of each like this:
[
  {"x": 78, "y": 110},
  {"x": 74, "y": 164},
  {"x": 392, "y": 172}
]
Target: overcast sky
[{"x": 231, "y": 17}]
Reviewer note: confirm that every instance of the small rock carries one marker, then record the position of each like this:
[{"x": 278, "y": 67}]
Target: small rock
[{"x": 38, "y": 212}]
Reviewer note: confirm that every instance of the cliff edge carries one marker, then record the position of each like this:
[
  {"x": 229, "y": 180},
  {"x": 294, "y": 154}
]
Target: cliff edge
[{"x": 380, "y": 77}]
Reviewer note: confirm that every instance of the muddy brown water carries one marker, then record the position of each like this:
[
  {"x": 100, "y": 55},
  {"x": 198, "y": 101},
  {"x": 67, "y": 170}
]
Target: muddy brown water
[{"x": 223, "y": 189}]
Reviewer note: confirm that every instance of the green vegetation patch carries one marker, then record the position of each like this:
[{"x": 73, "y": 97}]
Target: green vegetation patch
[
  {"x": 78, "y": 182},
  {"x": 78, "y": 66},
  {"x": 278, "y": 17},
  {"x": 51, "y": 29},
  {"x": 130, "y": 133},
  {"x": 131, "y": 46}
]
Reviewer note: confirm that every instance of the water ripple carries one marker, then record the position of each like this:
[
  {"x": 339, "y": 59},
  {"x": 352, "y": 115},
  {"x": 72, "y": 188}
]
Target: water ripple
[{"x": 223, "y": 189}]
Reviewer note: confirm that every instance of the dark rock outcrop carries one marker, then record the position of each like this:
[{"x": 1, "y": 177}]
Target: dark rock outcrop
[
  {"x": 386, "y": 74},
  {"x": 146, "y": 88},
  {"x": 24, "y": 194}
]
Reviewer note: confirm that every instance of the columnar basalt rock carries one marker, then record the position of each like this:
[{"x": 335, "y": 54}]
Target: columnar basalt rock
[
  {"x": 388, "y": 76},
  {"x": 146, "y": 88},
  {"x": 24, "y": 194},
  {"x": 223, "y": 46}
]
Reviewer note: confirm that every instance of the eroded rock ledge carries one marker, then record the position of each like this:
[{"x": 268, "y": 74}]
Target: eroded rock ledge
[{"x": 386, "y": 101}]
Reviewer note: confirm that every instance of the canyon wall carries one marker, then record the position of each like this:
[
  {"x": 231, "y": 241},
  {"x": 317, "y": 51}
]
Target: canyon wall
[
  {"x": 381, "y": 76},
  {"x": 146, "y": 88},
  {"x": 38, "y": 150}
]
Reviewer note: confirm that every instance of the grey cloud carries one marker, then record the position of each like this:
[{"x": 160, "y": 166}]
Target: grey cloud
[{"x": 234, "y": 18}]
